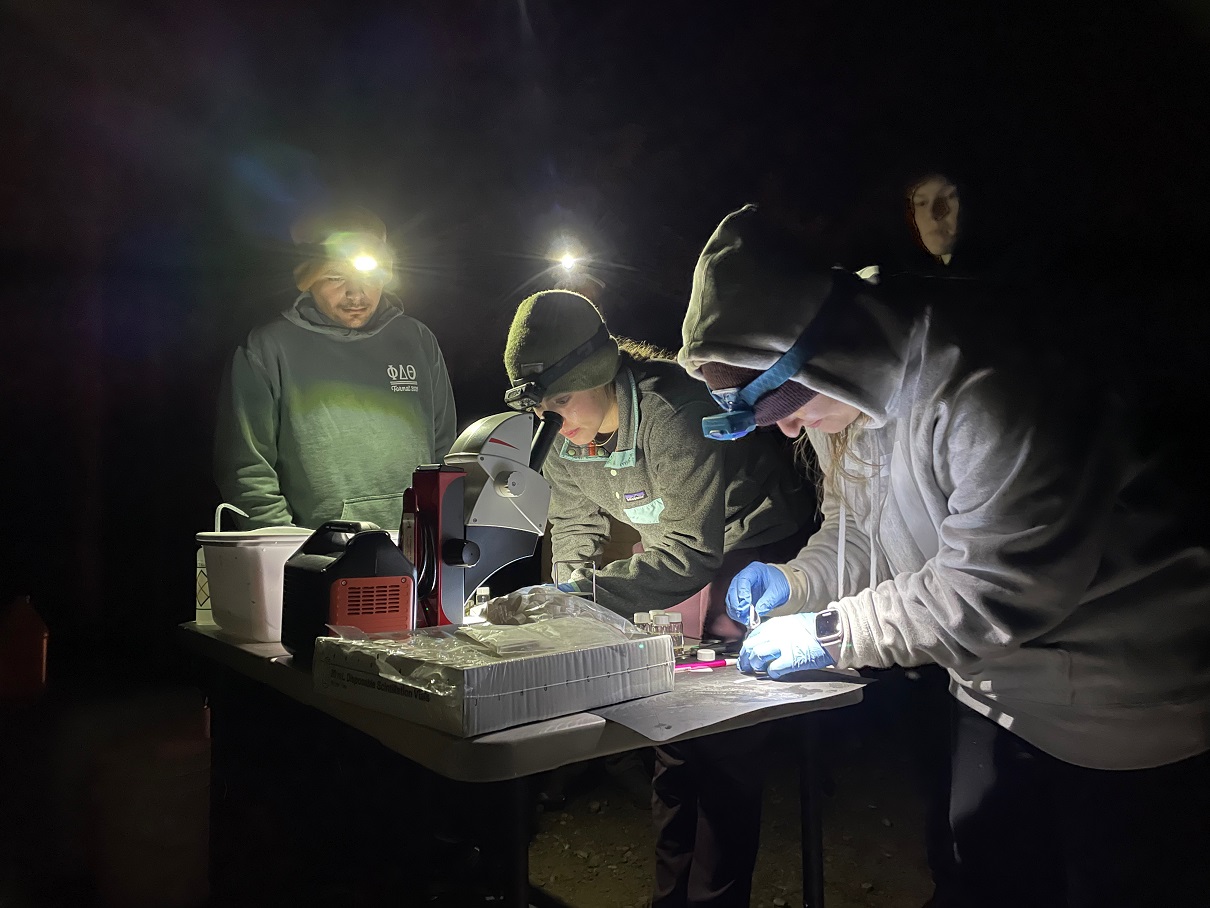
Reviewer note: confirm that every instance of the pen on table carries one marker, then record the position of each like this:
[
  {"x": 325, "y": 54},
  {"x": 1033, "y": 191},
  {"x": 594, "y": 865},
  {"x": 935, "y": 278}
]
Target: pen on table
[{"x": 698, "y": 666}]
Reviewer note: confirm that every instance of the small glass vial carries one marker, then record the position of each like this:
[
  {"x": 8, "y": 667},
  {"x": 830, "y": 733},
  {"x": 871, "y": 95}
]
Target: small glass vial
[
  {"x": 482, "y": 595},
  {"x": 660, "y": 625},
  {"x": 642, "y": 620},
  {"x": 676, "y": 628}
]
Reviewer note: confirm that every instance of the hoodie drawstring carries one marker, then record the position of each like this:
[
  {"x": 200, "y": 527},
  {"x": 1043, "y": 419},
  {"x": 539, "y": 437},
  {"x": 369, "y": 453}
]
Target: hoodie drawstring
[
  {"x": 844, "y": 519},
  {"x": 875, "y": 512}
]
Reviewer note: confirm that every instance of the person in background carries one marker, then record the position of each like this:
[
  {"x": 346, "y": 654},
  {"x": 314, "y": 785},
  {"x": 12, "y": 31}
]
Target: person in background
[
  {"x": 1025, "y": 527},
  {"x": 328, "y": 408},
  {"x": 943, "y": 236},
  {"x": 933, "y": 206},
  {"x": 920, "y": 238},
  {"x": 632, "y": 449}
]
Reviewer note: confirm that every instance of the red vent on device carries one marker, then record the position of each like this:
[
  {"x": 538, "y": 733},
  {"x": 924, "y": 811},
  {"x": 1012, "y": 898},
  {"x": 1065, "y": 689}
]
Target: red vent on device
[{"x": 374, "y": 604}]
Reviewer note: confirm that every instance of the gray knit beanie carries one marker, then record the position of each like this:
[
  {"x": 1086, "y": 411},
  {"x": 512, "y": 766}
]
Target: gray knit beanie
[{"x": 548, "y": 326}]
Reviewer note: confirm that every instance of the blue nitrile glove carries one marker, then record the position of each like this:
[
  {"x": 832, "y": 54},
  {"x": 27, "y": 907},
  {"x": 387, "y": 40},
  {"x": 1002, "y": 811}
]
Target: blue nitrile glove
[
  {"x": 760, "y": 583},
  {"x": 783, "y": 645},
  {"x": 565, "y": 587}
]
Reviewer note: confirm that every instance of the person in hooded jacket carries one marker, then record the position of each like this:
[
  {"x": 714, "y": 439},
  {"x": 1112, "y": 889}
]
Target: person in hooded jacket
[
  {"x": 328, "y": 408},
  {"x": 942, "y": 236},
  {"x": 933, "y": 204},
  {"x": 1024, "y": 527},
  {"x": 702, "y": 511}
]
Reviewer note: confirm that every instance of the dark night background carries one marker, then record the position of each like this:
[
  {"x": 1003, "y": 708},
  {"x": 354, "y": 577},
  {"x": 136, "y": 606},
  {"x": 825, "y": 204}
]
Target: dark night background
[{"x": 154, "y": 154}]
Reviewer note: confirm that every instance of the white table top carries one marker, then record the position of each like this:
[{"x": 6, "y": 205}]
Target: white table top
[{"x": 507, "y": 754}]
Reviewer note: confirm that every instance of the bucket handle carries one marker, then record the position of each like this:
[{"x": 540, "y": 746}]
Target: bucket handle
[{"x": 218, "y": 515}]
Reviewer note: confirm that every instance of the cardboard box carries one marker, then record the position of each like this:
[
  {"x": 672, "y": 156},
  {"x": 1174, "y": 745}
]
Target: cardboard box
[{"x": 457, "y": 680}]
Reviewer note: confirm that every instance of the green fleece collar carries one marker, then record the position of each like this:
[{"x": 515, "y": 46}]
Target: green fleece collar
[
  {"x": 628, "y": 428},
  {"x": 305, "y": 313}
]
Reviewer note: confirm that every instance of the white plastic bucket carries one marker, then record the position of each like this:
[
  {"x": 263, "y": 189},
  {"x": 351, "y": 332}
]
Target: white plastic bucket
[{"x": 245, "y": 570}]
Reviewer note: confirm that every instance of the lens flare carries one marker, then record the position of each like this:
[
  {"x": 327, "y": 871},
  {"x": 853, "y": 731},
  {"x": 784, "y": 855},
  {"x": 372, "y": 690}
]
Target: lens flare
[{"x": 365, "y": 262}]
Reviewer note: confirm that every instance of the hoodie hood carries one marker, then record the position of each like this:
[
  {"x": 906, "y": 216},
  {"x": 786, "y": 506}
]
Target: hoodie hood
[
  {"x": 753, "y": 296},
  {"x": 306, "y": 314}
]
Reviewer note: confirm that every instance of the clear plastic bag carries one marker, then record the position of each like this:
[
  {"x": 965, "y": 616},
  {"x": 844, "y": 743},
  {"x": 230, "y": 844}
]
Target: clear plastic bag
[{"x": 533, "y": 604}]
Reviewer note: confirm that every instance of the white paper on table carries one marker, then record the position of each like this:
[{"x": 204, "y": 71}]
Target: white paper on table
[{"x": 700, "y": 699}]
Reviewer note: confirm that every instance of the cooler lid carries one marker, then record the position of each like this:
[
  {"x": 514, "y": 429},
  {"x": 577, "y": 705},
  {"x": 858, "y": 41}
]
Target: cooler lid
[{"x": 294, "y": 536}]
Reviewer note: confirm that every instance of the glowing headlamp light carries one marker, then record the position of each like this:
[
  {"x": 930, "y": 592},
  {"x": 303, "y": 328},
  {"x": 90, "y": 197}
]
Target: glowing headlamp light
[{"x": 365, "y": 254}]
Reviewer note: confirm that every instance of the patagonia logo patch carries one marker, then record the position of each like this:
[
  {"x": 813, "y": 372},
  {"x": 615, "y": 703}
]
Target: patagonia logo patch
[{"x": 635, "y": 496}]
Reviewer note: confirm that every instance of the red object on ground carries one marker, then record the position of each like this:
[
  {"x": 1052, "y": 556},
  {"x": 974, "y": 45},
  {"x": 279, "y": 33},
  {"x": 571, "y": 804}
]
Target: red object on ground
[{"x": 23, "y": 640}]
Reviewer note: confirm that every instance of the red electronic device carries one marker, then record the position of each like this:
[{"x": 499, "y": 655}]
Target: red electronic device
[{"x": 347, "y": 574}]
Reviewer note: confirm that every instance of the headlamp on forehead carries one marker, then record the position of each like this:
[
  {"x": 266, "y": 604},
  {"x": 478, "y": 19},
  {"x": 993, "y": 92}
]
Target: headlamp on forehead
[
  {"x": 739, "y": 404},
  {"x": 525, "y": 395},
  {"x": 529, "y": 391},
  {"x": 368, "y": 255}
]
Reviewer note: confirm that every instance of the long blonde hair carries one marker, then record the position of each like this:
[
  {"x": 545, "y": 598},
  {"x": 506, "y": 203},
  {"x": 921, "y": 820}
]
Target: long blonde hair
[{"x": 841, "y": 451}]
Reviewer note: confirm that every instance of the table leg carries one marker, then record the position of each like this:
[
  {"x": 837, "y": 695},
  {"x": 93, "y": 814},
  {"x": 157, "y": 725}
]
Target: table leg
[
  {"x": 516, "y": 854},
  {"x": 811, "y": 818},
  {"x": 518, "y": 893}
]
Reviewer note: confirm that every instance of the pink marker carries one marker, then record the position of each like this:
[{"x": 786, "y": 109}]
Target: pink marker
[{"x": 705, "y": 666}]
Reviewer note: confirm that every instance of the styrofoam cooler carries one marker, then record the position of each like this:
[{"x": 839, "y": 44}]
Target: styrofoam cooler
[{"x": 245, "y": 570}]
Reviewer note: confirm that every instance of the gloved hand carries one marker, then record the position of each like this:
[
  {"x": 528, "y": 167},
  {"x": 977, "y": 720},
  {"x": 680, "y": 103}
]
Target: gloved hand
[
  {"x": 783, "y": 645},
  {"x": 758, "y": 583},
  {"x": 565, "y": 587}
]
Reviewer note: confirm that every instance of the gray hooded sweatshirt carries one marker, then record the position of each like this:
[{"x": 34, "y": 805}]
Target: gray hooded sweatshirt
[
  {"x": 1012, "y": 534},
  {"x": 322, "y": 422},
  {"x": 690, "y": 499}
]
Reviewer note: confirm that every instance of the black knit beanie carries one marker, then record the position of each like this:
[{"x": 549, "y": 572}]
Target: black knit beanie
[{"x": 548, "y": 326}]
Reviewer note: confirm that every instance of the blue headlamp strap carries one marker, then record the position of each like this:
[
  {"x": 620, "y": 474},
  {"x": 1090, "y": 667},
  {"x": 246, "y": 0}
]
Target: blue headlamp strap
[
  {"x": 780, "y": 372},
  {"x": 739, "y": 405}
]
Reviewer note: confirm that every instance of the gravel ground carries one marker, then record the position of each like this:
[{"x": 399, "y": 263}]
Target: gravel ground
[{"x": 597, "y": 853}]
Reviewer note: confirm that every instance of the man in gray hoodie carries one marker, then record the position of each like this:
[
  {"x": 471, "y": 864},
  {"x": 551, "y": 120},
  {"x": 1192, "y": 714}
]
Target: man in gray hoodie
[
  {"x": 329, "y": 408},
  {"x": 1009, "y": 521}
]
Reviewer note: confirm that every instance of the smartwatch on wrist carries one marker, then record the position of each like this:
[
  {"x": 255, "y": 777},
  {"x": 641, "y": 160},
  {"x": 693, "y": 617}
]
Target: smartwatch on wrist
[{"x": 829, "y": 632}]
